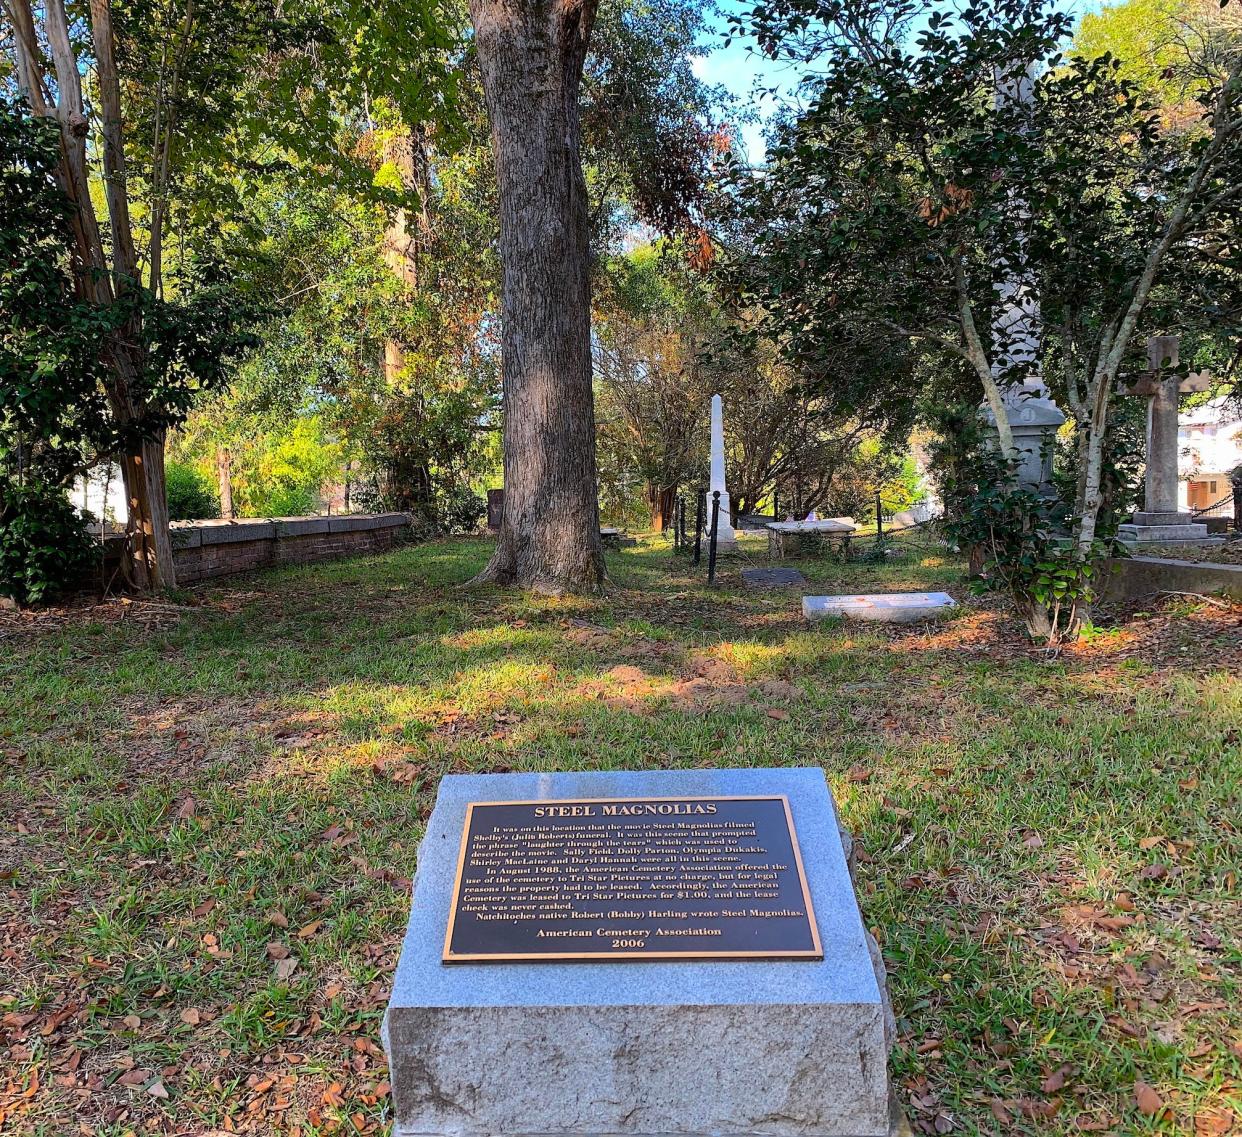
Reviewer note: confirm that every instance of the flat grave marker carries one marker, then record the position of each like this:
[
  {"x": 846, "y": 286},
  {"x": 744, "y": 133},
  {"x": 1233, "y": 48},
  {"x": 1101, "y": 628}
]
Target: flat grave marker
[
  {"x": 882, "y": 607},
  {"x": 756, "y": 1009}
]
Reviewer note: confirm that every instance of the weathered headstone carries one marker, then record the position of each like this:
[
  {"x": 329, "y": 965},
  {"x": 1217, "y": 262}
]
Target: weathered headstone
[
  {"x": 885, "y": 607},
  {"x": 1160, "y": 521},
  {"x": 495, "y": 507},
  {"x": 674, "y": 952}
]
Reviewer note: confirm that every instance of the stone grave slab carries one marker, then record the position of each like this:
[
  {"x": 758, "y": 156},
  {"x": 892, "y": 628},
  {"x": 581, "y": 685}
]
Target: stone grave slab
[
  {"x": 772, "y": 578},
  {"x": 674, "y": 952},
  {"x": 883, "y": 607}
]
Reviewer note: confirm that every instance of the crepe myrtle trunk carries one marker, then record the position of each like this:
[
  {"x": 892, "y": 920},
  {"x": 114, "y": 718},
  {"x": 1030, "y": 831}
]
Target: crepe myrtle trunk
[
  {"x": 148, "y": 564},
  {"x": 151, "y": 567},
  {"x": 102, "y": 275},
  {"x": 660, "y": 500},
  {"x": 531, "y": 54}
]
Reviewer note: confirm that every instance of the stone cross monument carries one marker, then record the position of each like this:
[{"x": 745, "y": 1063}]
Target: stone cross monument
[
  {"x": 1160, "y": 521},
  {"x": 726, "y": 538},
  {"x": 1017, "y": 337}
]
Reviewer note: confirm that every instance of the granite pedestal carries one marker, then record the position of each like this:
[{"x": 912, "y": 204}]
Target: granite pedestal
[
  {"x": 1166, "y": 527},
  {"x": 888, "y": 608},
  {"x": 688, "y": 1047}
]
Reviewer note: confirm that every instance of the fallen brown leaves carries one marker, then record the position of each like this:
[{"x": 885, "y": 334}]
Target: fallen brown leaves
[
  {"x": 702, "y": 683},
  {"x": 1142, "y": 958},
  {"x": 1148, "y": 1101}
]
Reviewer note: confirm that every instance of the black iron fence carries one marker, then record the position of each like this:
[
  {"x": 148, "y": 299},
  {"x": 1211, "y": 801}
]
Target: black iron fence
[
  {"x": 706, "y": 528},
  {"x": 883, "y": 535}
]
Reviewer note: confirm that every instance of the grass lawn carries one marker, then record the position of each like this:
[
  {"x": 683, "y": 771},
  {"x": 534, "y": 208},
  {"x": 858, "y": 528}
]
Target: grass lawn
[{"x": 209, "y": 814}]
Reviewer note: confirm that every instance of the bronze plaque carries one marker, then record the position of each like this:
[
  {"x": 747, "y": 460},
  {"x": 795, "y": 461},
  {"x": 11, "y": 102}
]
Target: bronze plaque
[{"x": 631, "y": 878}]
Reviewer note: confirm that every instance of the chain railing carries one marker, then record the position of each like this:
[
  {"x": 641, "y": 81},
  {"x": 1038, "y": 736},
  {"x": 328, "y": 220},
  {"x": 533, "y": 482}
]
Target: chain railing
[
  {"x": 1222, "y": 508},
  {"x": 706, "y": 524},
  {"x": 889, "y": 543}
]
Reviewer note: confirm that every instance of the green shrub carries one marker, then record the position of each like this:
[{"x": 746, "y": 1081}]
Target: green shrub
[
  {"x": 44, "y": 543},
  {"x": 459, "y": 509},
  {"x": 1026, "y": 544},
  {"x": 288, "y": 501},
  {"x": 191, "y": 496}
]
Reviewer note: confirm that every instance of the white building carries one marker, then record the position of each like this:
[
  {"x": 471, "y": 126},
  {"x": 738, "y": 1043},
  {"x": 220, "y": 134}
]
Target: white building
[
  {"x": 102, "y": 494},
  {"x": 1209, "y": 445}
]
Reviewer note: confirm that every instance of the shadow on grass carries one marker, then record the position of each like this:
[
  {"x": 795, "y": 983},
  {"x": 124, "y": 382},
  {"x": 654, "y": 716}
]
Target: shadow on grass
[{"x": 259, "y": 774}]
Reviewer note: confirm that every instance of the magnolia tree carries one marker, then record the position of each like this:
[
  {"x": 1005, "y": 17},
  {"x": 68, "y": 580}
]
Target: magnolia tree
[{"x": 906, "y": 192}]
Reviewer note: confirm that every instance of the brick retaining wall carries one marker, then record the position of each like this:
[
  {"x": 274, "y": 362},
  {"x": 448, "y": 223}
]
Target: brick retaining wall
[{"x": 206, "y": 549}]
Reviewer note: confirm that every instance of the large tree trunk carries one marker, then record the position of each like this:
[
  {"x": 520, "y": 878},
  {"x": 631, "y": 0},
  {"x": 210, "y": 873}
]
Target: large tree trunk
[
  {"x": 531, "y": 54},
  {"x": 150, "y": 564}
]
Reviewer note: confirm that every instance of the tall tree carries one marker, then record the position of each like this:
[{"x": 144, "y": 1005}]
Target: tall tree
[
  {"x": 531, "y": 55},
  {"x": 189, "y": 104},
  {"x": 1174, "y": 51},
  {"x": 106, "y": 274},
  {"x": 664, "y": 345}
]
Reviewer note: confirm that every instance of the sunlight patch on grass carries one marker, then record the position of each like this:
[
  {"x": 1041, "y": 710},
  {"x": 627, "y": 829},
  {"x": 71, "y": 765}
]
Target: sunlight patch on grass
[{"x": 249, "y": 780}]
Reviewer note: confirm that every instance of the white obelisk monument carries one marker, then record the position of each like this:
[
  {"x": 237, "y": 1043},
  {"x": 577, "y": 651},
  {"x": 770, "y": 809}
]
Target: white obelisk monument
[{"x": 726, "y": 538}]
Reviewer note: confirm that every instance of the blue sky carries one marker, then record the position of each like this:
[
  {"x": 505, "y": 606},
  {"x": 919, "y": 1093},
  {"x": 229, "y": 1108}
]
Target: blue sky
[{"x": 738, "y": 70}]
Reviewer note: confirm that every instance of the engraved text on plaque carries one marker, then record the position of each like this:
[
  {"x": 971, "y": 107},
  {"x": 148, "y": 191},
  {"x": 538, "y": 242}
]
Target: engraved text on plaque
[{"x": 631, "y": 878}]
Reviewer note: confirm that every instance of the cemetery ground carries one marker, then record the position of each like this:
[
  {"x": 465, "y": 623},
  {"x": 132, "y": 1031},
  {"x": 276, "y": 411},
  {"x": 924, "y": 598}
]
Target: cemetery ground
[{"x": 209, "y": 812}]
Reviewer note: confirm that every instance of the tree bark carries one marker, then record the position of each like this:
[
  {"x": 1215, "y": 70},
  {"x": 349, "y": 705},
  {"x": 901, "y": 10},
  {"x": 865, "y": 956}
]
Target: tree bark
[
  {"x": 90, "y": 265},
  {"x": 978, "y": 358},
  {"x": 124, "y": 260},
  {"x": 531, "y": 56},
  {"x": 150, "y": 543},
  {"x": 660, "y": 500},
  {"x": 149, "y": 563}
]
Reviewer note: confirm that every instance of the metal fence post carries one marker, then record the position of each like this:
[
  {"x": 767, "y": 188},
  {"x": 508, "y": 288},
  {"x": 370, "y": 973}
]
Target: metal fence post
[
  {"x": 711, "y": 547},
  {"x": 698, "y": 526}
]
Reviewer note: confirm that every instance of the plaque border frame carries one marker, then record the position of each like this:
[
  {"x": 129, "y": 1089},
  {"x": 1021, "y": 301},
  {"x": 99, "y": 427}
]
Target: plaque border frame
[{"x": 814, "y": 953}]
